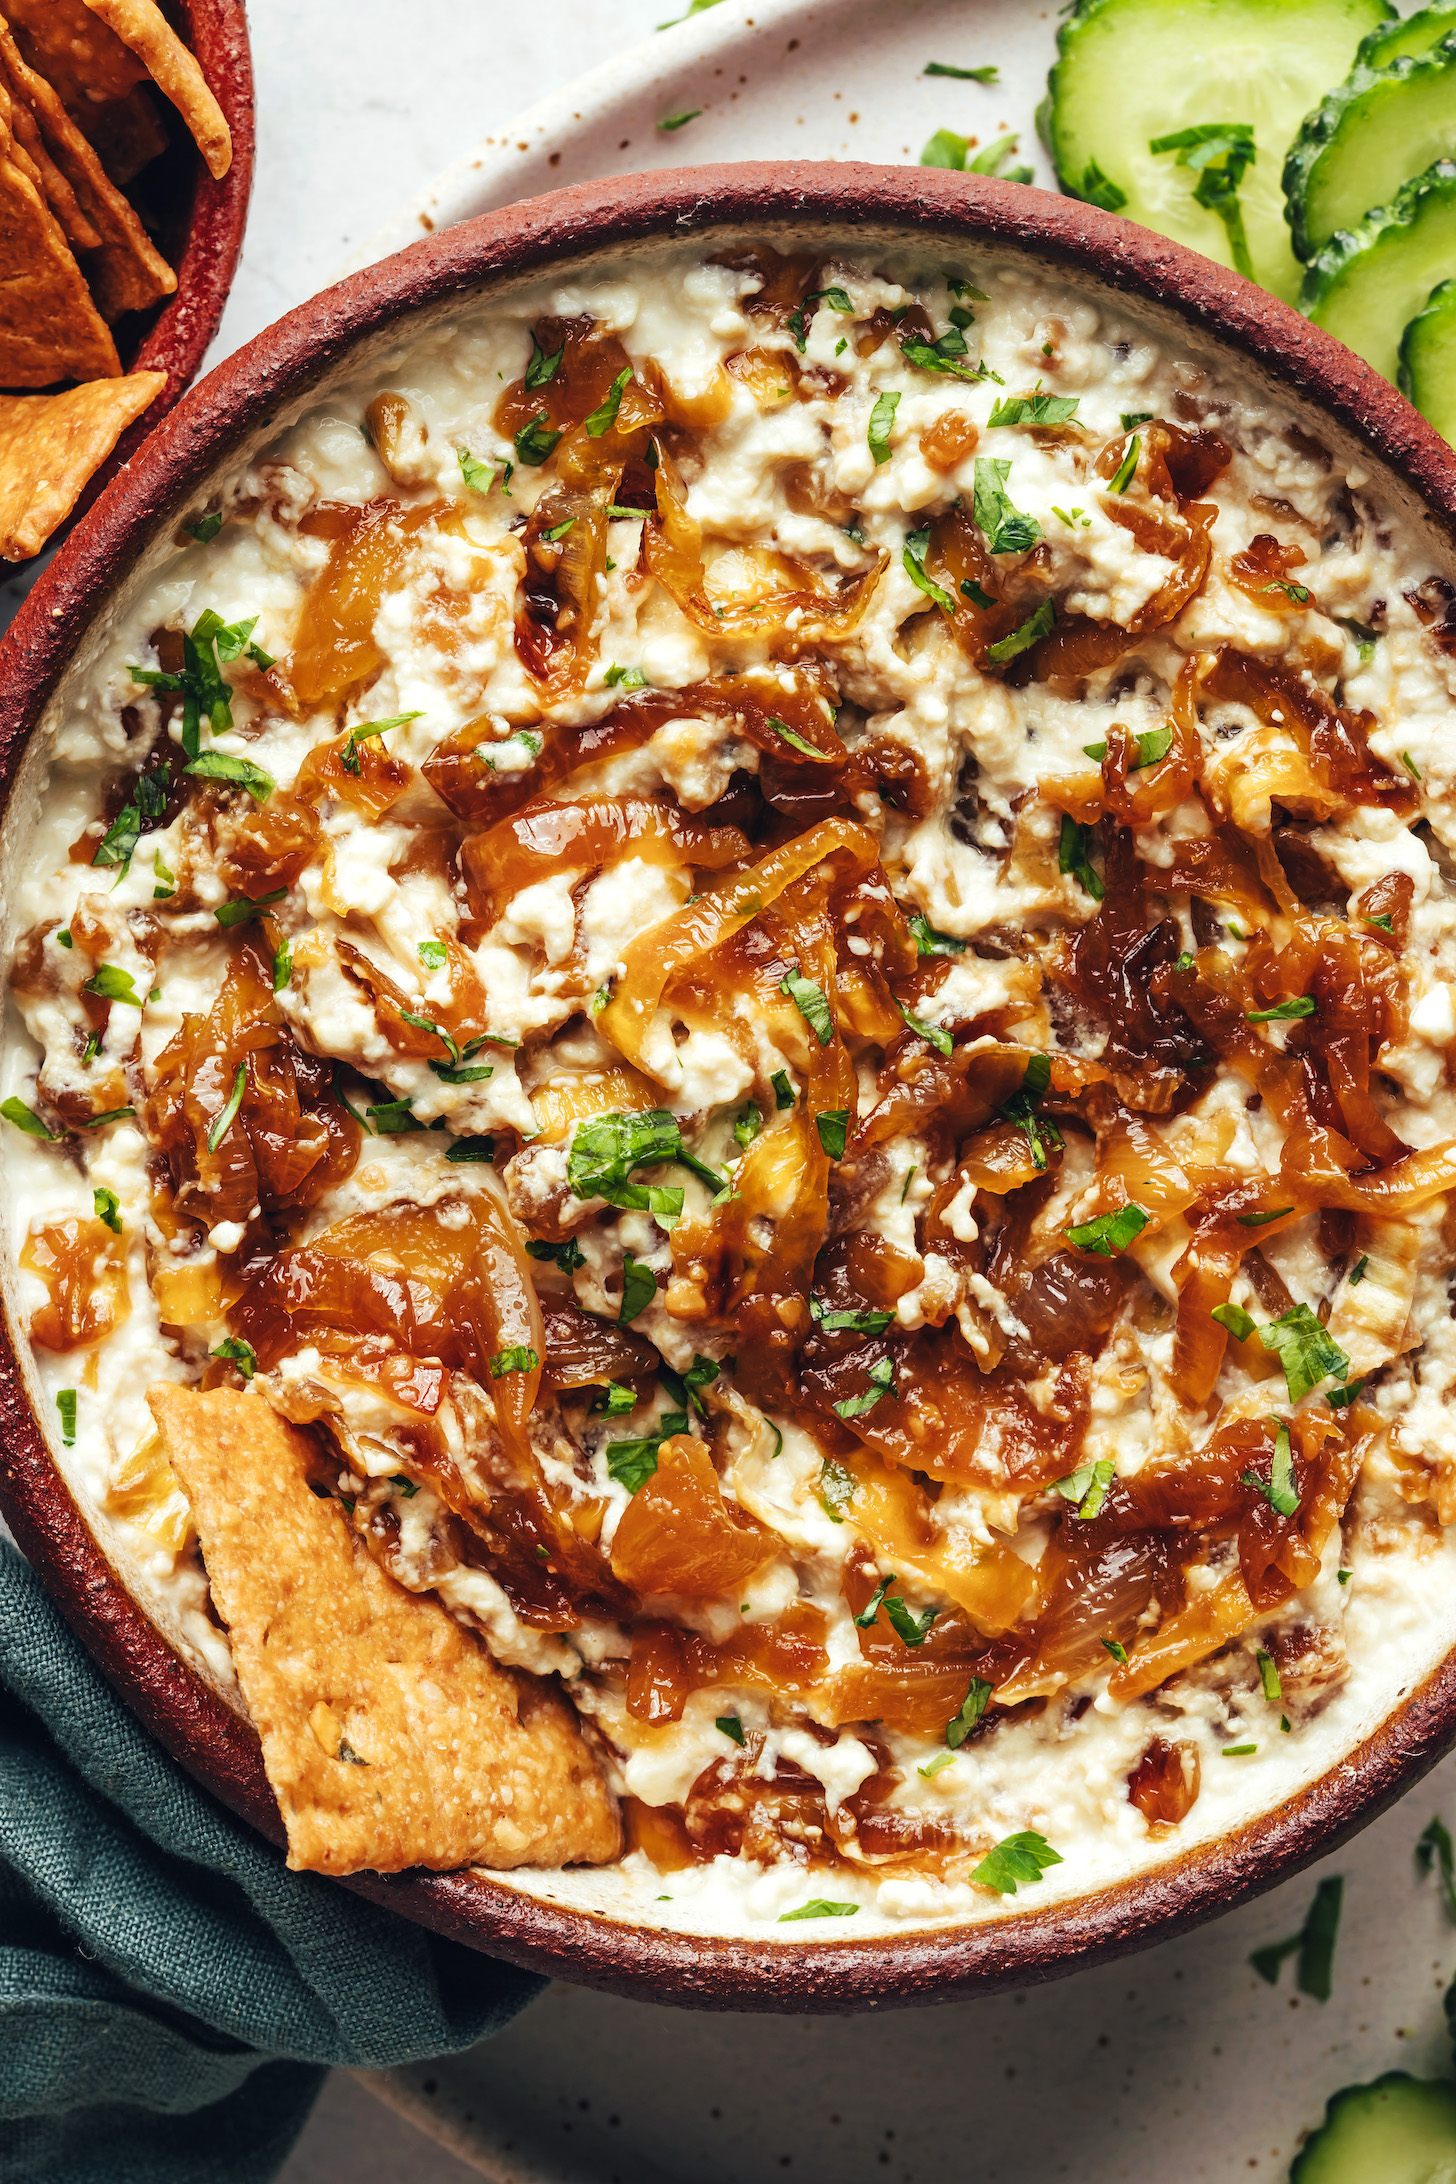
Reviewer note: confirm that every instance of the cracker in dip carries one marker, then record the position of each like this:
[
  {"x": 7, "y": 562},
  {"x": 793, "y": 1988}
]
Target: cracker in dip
[{"x": 774, "y": 938}]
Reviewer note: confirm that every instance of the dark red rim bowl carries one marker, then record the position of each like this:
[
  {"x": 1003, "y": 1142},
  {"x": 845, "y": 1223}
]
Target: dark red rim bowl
[
  {"x": 201, "y": 233},
  {"x": 272, "y": 380}
]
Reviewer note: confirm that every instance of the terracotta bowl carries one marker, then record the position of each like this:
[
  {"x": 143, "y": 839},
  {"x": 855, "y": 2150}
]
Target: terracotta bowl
[
  {"x": 1188, "y": 300},
  {"x": 200, "y": 227}
]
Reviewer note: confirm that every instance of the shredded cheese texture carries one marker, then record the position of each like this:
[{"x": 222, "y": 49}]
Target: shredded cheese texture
[{"x": 777, "y": 938}]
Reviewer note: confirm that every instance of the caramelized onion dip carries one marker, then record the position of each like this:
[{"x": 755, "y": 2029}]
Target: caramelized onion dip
[{"x": 776, "y": 937}]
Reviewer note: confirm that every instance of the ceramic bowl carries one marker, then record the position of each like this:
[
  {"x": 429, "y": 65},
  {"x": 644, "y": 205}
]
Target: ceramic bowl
[{"x": 566, "y": 1924}]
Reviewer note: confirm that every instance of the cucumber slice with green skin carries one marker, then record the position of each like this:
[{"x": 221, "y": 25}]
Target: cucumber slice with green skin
[
  {"x": 1377, "y": 130},
  {"x": 1417, "y": 34},
  {"x": 1428, "y": 361},
  {"x": 1367, "y": 284},
  {"x": 1131, "y": 70},
  {"x": 1400, "y": 2130}
]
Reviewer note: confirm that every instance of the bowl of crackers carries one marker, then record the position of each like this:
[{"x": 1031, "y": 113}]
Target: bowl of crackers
[{"x": 126, "y": 142}]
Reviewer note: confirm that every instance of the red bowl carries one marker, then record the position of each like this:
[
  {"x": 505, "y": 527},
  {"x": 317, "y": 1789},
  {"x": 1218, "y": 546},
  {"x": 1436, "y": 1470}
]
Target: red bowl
[
  {"x": 1189, "y": 299},
  {"x": 201, "y": 231}
]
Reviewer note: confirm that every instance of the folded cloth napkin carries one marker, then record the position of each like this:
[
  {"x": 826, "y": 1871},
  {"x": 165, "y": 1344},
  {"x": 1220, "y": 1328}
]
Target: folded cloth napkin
[{"x": 170, "y": 1994}]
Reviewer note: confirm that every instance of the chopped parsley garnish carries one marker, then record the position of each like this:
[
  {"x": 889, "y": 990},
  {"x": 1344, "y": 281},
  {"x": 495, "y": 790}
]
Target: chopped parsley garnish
[
  {"x": 1434, "y": 1848},
  {"x": 881, "y": 1378},
  {"x": 1299, "y": 593},
  {"x": 972, "y": 1707},
  {"x": 243, "y": 909},
  {"x": 996, "y": 160},
  {"x": 1259, "y": 1220},
  {"x": 165, "y": 881},
  {"x": 1357, "y": 1271},
  {"x": 605, "y": 1151},
  {"x": 1034, "y": 409},
  {"x": 1315, "y": 1941},
  {"x": 1365, "y": 639},
  {"x": 1269, "y": 1677},
  {"x": 283, "y": 966},
  {"x": 625, "y": 678},
  {"x": 99, "y": 1122},
  {"x": 520, "y": 1358},
  {"x": 799, "y": 319},
  {"x": 206, "y": 647},
  {"x": 679, "y": 121},
  {"x": 480, "y": 477},
  {"x": 1021, "y": 640},
  {"x": 972, "y": 591},
  {"x": 632, "y": 1463},
  {"x": 639, "y": 1287},
  {"x": 66, "y": 1405},
  {"x": 947, "y": 353},
  {"x": 366, "y": 730},
  {"x": 932, "y": 1033},
  {"x": 226, "y": 766},
  {"x": 683, "y": 1387},
  {"x": 393, "y": 1118},
  {"x": 1071, "y": 517},
  {"x": 831, "y": 1125},
  {"x": 1386, "y": 924},
  {"x": 1238, "y": 1751},
  {"x": 567, "y": 1256},
  {"x": 1087, "y": 1487},
  {"x": 1279, "y": 1489},
  {"x": 228, "y": 1116},
  {"x": 936, "y": 1766},
  {"x": 1131, "y": 419},
  {"x": 1410, "y": 765},
  {"x": 109, "y": 982},
  {"x": 536, "y": 441},
  {"x": 1127, "y": 468},
  {"x": 543, "y": 367},
  {"x": 1020, "y": 1109},
  {"x": 433, "y": 953},
  {"x": 206, "y": 528},
  {"x": 237, "y": 1352},
  {"x": 836, "y": 1489},
  {"x": 1308, "y": 1353},
  {"x": 1285, "y": 1012},
  {"x": 811, "y": 1003},
  {"x": 1218, "y": 153},
  {"x": 1342, "y": 1398},
  {"x": 732, "y": 1728},
  {"x": 747, "y": 1124},
  {"x": 795, "y": 741},
  {"x": 783, "y": 1091},
  {"x": 1152, "y": 744},
  {"x": 108, "y": 1208},
  {"x": 819, "y": 1908},
  {"x": 1116, "y": 1648},
  {"x": 963, "y": 75},
  {"x": 913, "y": 562},
  {"x": 881, "y": 425},
  {"x": 118, "y": 843},
  {"x": 1015, "y": 1862},
  {"x": 848, "y": 1323},
  {"x": 1110, "y": 1232},
  {"x": 614, "y": 1400},
  {"x": 1098, "y": 189},
  {"x": 909, "y": 1628},
  {"x": 929, "y": 942},
  {"x": 946, "y": 149},
  {"x": 1074, "y": 855},
  {"x": 604, "y": 416},
  {"x": 1007, "y": 530}
]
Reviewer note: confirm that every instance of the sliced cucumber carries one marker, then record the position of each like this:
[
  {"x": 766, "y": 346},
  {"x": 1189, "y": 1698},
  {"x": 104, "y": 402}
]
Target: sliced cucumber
[
  {"x": 1400, "y": 2130},
  {"x": 1378, "y": 129},
  {"x": 1417, "y": 34},
  {"x": 1367, "y": 284},
  {"x": 1428, "y": 361},
  {"x": 1131, "y": 70}
]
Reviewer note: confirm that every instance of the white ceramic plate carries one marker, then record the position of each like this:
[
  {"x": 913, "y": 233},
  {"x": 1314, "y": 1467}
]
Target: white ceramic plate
[
  {"x": 775, "y": 79},
  {"x": 1173, "y": 2067},
  {"x": 1179, "y": 2064}
]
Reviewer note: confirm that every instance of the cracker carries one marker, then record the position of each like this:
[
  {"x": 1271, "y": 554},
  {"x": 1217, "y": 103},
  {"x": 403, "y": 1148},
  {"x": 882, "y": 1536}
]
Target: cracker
[
  {"x": 103, "y": 86},
  {"x": 32, "y": 158},
  {"x": 50, "y": 329},
  {"x": 390, "y": 1736},
  {"x": 51, "y": 445},
  {"x": 124, "y": 268},
  {"x": 141, "y": 25}
]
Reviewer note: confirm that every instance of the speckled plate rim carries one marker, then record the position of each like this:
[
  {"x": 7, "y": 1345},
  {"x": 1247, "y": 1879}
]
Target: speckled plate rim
[{"x": 273, "y": 376}]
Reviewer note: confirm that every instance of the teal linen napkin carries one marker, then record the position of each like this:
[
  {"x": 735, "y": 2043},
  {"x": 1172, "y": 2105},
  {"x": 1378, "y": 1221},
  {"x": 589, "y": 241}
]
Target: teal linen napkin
[{"x": 170, "y": 1994}]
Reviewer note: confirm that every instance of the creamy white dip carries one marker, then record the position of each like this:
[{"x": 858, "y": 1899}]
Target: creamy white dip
[{"x": 845, "y": 457}]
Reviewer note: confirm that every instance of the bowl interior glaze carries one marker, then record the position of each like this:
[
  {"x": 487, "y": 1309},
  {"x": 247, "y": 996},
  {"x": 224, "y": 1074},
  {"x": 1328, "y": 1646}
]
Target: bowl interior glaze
[{"x": 568, "y": 1924}]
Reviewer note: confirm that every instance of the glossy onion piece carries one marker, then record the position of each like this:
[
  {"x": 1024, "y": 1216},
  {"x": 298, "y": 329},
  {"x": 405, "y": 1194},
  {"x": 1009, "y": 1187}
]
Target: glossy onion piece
[
  {"x": 1335, "y": 740},
  {"x": 584, "y": 1352},
  {"x": 669, "y": 1663},
  {"x": 547, "y": 837},
  {"x": 1208, "y": 1622},
  {"x": 505, "y": 1297},
  {"x": 84, "y": 1273},
  {"x": 370, "y": 783},
  {"x": 676, "y": 1535},
  {"x": 1165, "y": 1782},
  {"x": 988, "y": 1580},
  {"x": 591, "y": 360},
  {"x": 465, "y": 1016},
  {"x": 1138, "y": 795},
  {"x": 334, "y": 650},
  {"x": 653, "y": 957}
]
